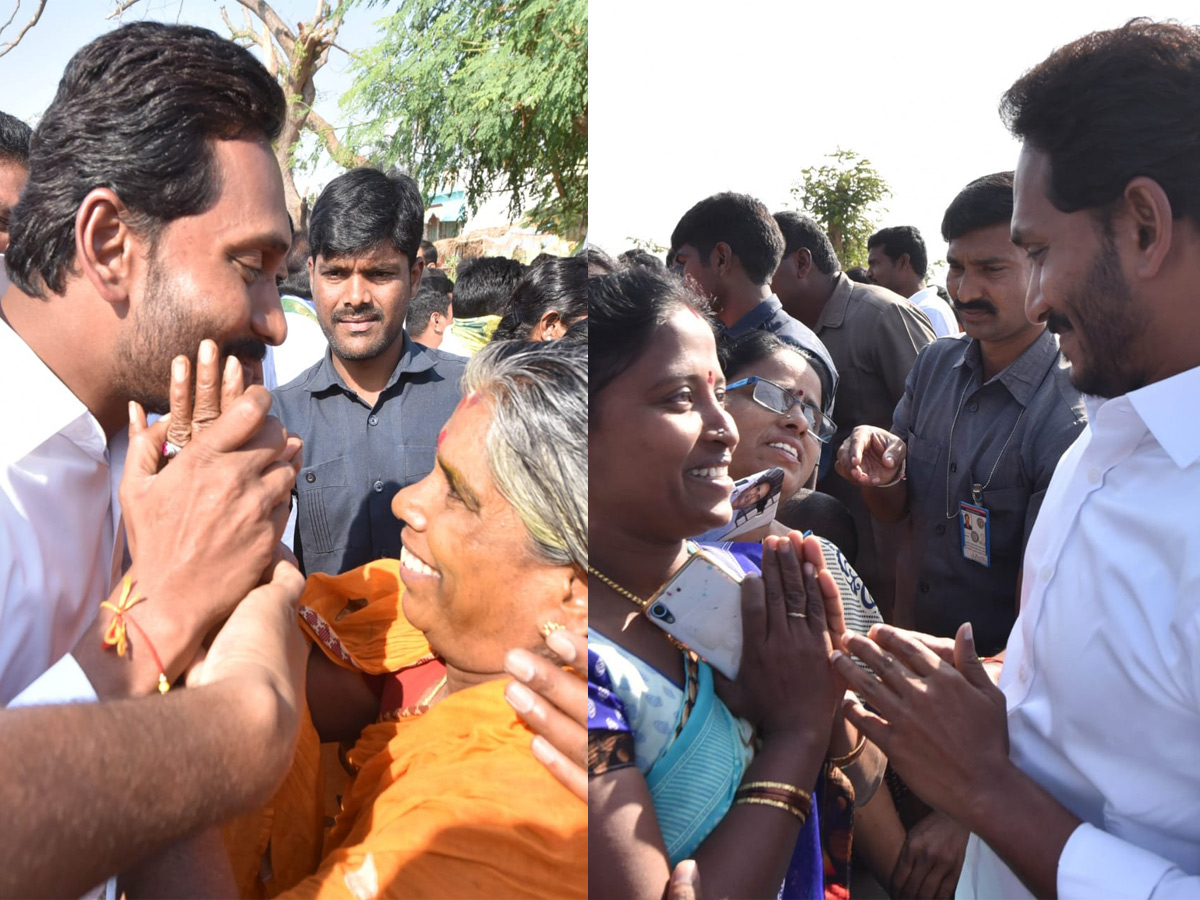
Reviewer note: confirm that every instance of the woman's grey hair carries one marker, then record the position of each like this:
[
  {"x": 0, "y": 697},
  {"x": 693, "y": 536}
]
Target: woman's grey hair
[{"x": 537, "y": 443}]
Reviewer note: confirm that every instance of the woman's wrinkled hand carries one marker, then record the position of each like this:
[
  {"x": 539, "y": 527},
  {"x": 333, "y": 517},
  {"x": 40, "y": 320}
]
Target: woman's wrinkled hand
[{"x": 553, "y": 703}]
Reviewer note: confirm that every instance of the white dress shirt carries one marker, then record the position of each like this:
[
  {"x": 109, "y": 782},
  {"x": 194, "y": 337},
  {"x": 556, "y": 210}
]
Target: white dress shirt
[
  {"x": 1102, "y": 671},
  {"x": 938, "y": 311},
  {"x": 58, "y": 516}
]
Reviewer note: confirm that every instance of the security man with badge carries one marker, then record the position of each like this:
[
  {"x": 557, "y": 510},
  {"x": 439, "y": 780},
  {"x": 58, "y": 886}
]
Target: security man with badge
[{"x": 984, "y": 419}]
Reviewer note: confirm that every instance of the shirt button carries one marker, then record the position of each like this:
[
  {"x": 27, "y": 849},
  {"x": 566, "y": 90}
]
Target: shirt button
[
  {"x": 939, "y": 529},
  {"x": 378, "y": 487},
  {"x": 953, "y": 467},
  {"x": 973, "y": 406},
  {"x": 924, "y": 586},
  {"x": 1094, "y": 475},
  {"x": 373, "y": 420},
  {"x": 310, "y": 477},
  {"x": 1047, "y": 573}
]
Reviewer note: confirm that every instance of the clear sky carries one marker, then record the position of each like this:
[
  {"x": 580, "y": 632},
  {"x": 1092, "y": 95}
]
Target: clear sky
[{"x": 689, "y": 99}]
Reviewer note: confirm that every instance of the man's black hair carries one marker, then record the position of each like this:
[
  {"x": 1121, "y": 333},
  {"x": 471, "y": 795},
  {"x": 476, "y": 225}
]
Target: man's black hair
[
  {"x": 738, "y": 220},
  {"x": 484, "y": 286},
  {"x": 297, "y": 283},
  {"x": 364, "y": 208},
  {"x": 14, "y": 140},
  {"x": 901, "y": 239},
  {"x": 984, "y": 202},
  {"x": 559, "y": 285},
  {"x": 429, "y": 251},
  {"x": 1110, "y": 107},
  {"x": 137, "y": 110},
  {"x": 802, "y": 232},
  {"x": 438, "y": 279},
  {"x": 427, "y": 301},
  {"x": 639, "y": 257}
]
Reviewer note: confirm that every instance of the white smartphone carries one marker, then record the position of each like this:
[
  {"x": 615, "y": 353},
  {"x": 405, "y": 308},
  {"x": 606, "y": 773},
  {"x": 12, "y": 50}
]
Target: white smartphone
[{"x": 701, "y": 606}]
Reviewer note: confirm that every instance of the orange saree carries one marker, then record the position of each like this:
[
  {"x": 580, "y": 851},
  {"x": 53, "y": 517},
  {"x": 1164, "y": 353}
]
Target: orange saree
[{"x": 449, "y": 803}]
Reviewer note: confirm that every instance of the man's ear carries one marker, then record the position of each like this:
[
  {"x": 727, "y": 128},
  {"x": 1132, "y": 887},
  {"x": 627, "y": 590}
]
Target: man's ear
[
  {"x": 904, "y": 262},
  {"x": 415, "y": 275},
  {"x": 721, "y": 257},
  {"x": 804, "y": 262},
  {"x": 1146, "y": 226},
  {"x": 107, "y": 250}
]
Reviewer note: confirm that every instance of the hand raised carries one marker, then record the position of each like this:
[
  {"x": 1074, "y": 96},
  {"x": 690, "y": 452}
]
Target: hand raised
[
  {"x": 942, "y": 726},
  {"x": 202, "y": 530},
  {"x": 553, "y": 703},
  {"x": 871, "y": 456},
  {"x": 785, "y": 631}
]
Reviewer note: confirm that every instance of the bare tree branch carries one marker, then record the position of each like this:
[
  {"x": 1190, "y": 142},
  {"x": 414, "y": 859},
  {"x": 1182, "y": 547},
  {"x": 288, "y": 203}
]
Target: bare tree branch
[
  {"x": 121, "y": 7},
  {"x": 323, "y": 130},
  {"x": 33, "y": 21},
  {"x": 270, "y": 18},
  {"x": 16, "y": 9}
]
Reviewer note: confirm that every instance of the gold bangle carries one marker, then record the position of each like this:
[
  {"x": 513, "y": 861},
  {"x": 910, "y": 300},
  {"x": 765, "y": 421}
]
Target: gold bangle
[
  {"x": 851, "y": 757},
  {"x": 788, "y": 794},
  {"x": 763, "y": 801},
  {"x": 783, "y": 786}
]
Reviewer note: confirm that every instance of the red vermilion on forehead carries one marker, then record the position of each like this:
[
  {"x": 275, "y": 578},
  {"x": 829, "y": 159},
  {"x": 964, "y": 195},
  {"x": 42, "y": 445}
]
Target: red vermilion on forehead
[
  {"x": 441, "y": 437},
  {"x": 710, "y": 377},
  {"x": 470, "y": 400}
]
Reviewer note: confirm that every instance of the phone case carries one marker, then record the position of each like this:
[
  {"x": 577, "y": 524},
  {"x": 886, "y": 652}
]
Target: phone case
[{"x": 701, "y": 606}]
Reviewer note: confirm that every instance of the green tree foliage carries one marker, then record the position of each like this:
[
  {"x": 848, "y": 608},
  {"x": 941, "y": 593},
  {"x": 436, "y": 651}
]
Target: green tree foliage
[
  {"x": 480, "y": 92},
  {"x": 842, "y": 196}
]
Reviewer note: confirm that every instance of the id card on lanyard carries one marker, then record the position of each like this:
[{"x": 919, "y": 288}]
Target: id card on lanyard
[{"x": 976, "y": 534}]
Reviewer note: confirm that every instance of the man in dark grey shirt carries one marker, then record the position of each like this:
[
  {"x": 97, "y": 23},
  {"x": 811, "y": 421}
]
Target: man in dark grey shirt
[
  {"x": 728, "y": 247},
  {"x": 979, "y": 431},
  {"x": 370, "y": 412}
]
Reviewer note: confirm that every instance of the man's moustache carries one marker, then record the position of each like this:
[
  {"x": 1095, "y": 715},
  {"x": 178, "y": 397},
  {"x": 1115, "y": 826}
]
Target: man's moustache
[
  {"x": 245, "y": 348},
  {"x": 975, "y": 306}
]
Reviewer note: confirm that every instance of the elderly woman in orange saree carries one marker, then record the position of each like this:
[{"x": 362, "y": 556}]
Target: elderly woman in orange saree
[{"x": 448, "y": 800}]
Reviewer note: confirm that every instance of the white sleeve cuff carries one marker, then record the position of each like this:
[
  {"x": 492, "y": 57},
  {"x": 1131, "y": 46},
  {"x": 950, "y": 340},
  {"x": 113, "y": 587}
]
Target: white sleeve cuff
[
  {"x": 63, "y": 682},
  {"x": 1094, "y": 863}
]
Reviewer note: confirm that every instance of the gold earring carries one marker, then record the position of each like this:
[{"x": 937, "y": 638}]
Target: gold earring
[{"x": 547, "y": 628}]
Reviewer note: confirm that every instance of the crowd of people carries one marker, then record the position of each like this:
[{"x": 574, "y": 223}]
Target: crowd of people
[
  {"x": 965, "y": 636},
  {"x": 896, "y": 594},
  {"x": 293, "y": 568}
]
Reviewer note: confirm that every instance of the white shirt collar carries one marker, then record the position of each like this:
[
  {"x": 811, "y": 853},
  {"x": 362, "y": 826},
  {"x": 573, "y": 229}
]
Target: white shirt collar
[
  {"x": 1165, "y": 408},
  {"x": 37, "y": 405}
]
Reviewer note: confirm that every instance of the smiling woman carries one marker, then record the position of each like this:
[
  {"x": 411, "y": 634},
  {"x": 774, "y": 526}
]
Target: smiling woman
[
  {"x": 673, "y": 769},
  {"x": 448, "y": 799}
]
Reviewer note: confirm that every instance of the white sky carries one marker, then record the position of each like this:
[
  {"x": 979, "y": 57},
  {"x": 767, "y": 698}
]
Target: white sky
[{"x": 689, "y": 99}]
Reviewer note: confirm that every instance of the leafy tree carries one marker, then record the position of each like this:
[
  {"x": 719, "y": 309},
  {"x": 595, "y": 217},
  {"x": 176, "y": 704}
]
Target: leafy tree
[
  {"x": 482, "y": 92},
  {"x": 841, "y": 196}
]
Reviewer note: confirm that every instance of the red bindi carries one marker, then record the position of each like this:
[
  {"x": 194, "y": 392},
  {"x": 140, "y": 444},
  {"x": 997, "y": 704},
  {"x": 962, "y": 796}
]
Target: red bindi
[{"x": 710, "y": 378}]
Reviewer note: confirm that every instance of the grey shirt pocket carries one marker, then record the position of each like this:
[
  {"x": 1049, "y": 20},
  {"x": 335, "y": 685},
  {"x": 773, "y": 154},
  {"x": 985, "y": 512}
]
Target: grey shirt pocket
[{"x": 324, "y": 516}]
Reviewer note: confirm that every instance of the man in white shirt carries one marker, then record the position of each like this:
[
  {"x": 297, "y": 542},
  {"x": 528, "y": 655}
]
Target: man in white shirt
[
  {"x": 897, "y": 260},
  {"x": 1077, "y": 774},
  {"x": 153, "y": 217}
]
